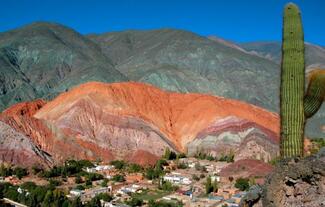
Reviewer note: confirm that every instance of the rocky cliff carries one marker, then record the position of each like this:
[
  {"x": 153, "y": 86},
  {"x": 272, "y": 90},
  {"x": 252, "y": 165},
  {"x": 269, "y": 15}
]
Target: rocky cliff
[
  {"x": 17, "y": 148},
  {"x": 294, "y": 182}
]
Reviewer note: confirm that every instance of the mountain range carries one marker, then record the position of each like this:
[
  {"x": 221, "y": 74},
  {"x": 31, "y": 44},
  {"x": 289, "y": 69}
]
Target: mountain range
[{"x": 43, "y": 60}]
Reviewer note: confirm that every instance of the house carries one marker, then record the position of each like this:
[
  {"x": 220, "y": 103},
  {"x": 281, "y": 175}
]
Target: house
[
  {"x": 227, "y": 192},
  {"x": 215, "y": 178},
  {"x": 231, "y": 203},
  {"x": 215, "y": 198},
  {"x": 177, "y": 179},
  {"x": 238, "y": 196},
  {"x": 130, "y": 189},
  {"x": 111, "y": 204},
  {"x": 88, "y": 194},
  {"x": 104, "y": 167},
  {"x": 99, "y": 168},
  {"x": 76, "y": 192}
]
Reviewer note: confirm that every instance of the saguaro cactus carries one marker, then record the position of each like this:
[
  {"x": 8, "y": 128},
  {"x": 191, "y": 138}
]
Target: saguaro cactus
[{"x": 295, "y": 105}]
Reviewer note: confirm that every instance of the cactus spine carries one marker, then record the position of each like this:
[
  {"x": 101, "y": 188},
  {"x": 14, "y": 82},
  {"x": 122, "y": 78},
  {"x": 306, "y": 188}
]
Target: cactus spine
[{"x": 295, "y": 106}]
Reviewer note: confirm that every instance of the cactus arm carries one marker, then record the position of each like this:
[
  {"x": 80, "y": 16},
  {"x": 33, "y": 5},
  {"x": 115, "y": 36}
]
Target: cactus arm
[
  {"x": 315, "y": 93},
  {"x": 292, "y": 84}
]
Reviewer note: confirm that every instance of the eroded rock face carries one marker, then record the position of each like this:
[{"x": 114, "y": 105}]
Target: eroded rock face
[
  {"x": 19, "y": 149},
  {"x": 244, "y": 138},
  {"x": 122, "y": 120},
  {"x": 126, "y": 117},
  {"x": 297, "y": 183},
  {"x": 20, "y": 117}
]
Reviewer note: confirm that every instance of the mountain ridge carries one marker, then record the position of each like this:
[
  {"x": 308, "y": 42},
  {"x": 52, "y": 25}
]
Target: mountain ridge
[
  {"x": 112, "y": 121},
  {"x": 176, "y": 60}
]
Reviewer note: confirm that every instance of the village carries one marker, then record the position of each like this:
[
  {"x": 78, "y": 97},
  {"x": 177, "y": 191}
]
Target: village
[{"x": 174, "y": 180}]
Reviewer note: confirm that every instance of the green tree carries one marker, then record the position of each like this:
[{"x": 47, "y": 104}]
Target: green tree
[
  {"x": 5, "y": 171},
  {"x": 134, "y": 168},
  {"x": 11, "y": 193},
  {"x": 242, "y": 184},
  {"x": 208, "y": 185},
  {"x": 215, "y": 186},
  {"x": 29, "y": 186},
  {"x": 20, "y": 172},
  {"x": 195, "y": 177},
  {"x": 80, "y": 187},
  {"x": 118, "y": 178},
  {"x": 76, "y": 203},
  {"x": 104, "y": 197},
  {"x": 48, "y": 199},
  {"x": 104, "y": 183},
  {"x": 169, "y": 155},
  {"x": 118, "y": 164},
  {"x": 78, "y": 179},
  {"x": 182, "y": 165},
  {"x": 135, "y": 202},
  {"x": 167, "y": 186}
]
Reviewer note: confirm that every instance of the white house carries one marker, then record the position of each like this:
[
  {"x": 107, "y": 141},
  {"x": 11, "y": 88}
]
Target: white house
[
  {"x": 99, "y": 168},
  {"x": 76, "y": 192},
  {"x": 215, "y": 178},
  {"x": 177, "y": 179},
  {"x": 130, "y": 189}
]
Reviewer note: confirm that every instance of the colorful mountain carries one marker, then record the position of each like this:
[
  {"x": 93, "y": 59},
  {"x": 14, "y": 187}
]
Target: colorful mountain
[
  {"x": 42, "y": 60},
  {"x": 137, "y": 121}
]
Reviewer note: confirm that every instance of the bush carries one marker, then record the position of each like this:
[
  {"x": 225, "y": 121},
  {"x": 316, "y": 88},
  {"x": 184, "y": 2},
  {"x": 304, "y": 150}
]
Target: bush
[
  {"x": 104, "y": 183},
  {"x": 242, "y": 184},
  {"x": 118, "y": 178},
  {"x": 80, "y": 187},
  {"x": 20, "y": 172},
  {"x": 36, "y": 169},
  {"x": 78, "y": 179},
  {"x": 208, "y": 185},
  {"x": 134, "y": 168},
  {"x": 5, "y": 171},
  {"x": 182, "y": 165},
  {"x": 71, "y": 167},
  {"x": 135, "y": 202},
  {"x": 160, "y": 163},
  {"x": 118, "y": 164},
  {"x": 162, "y": 203},
  {"x": 227, "y": 158},
  {"x": 105, "y": 197},
  {"x": 93, "y": 176},
  {"x": 169, "y": 155},
  {"x": 168, "y": 186},
  {"x": 181, "y": 155},
  {"x": 195, "y": 177},
  {"x": 88, "y": 183},
  {"x": 28, "y": 186},
  {"x": 54, "y": 183}
]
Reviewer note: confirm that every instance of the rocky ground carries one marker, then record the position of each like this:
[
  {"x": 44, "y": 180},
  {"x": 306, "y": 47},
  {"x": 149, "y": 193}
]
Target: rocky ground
[{"x": 293, "y": 183}]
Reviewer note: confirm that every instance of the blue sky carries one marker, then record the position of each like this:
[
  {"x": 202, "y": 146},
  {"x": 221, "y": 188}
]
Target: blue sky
[{"x": 236, "y": 20}]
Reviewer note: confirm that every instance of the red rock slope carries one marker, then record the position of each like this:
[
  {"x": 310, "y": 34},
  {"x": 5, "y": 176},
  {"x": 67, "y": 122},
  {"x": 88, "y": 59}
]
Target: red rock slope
[
  {"x": 121, "y": 118},
  {"x": 115, "y": 121},
  {"x": 246, "y": 168}
]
